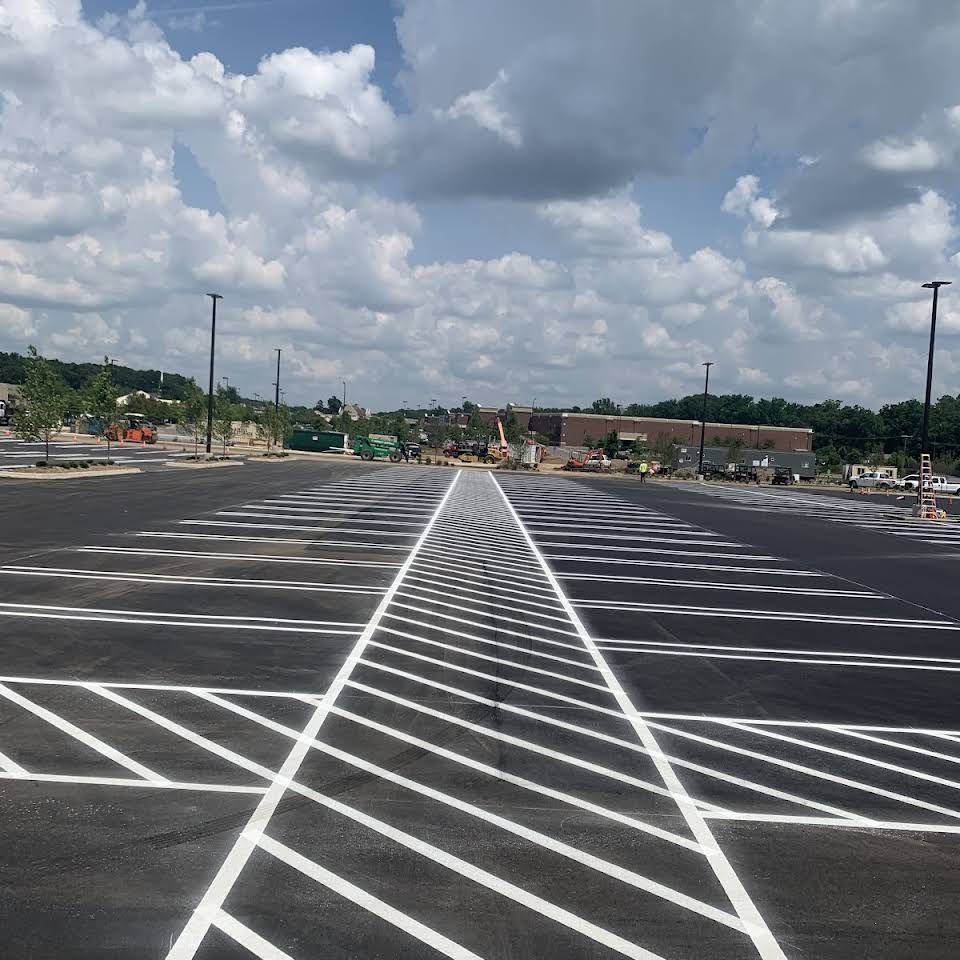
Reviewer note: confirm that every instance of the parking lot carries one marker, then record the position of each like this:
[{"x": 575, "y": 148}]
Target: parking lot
[
  {"x": 16, "y": 453},
  {"x": 338, "y": 710}
]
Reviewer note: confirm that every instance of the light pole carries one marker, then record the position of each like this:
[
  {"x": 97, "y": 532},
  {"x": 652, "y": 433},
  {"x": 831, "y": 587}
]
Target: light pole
[
  {"x": 935, "y": 286},
  {"x": 904, "y": 437},
  {"x": 344, "y": 408},
  {"x": 213, "y": 338},
  {"x": 619, "y": 414},
  {"x": 703, "y": 417},
  {"x": 276, "y": 396}
]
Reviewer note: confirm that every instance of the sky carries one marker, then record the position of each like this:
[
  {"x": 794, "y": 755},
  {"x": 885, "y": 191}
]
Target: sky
[{"x": 549, "y": 200}]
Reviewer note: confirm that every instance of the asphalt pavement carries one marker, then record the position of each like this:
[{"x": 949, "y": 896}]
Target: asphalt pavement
[{"x": 306, "y": 710}]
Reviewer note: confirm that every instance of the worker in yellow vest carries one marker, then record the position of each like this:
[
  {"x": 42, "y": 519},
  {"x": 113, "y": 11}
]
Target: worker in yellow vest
[{"x": 644, "y": 467}]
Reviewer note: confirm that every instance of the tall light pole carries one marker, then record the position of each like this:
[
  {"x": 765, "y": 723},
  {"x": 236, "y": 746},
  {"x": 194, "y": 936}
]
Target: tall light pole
[
  {"x": 344, "y": 408},
  {"x": 213, "y": 339},
  {"x": 935, "y": 286},
  {"x": 703, "y": 417},
  {"x": 276, "y": 396}
]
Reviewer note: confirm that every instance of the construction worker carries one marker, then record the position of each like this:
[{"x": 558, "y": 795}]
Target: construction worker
[{"x": 644, "y": 467}]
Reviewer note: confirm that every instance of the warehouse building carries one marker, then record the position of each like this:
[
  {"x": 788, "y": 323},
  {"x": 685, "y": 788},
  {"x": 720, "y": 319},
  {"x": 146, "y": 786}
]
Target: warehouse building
[{"x": 584, "y": 429}]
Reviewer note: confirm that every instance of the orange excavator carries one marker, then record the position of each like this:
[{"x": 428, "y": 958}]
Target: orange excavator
[
  {"x": 135, "y": 429},
  {"x": 592, "y": 460}
]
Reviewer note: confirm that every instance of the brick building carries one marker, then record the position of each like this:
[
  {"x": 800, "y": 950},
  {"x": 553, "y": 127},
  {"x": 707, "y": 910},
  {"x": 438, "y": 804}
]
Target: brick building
[{"x": 571, "y": 430}]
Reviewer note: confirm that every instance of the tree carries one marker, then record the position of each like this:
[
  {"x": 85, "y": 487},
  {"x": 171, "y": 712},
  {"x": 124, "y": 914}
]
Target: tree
[
  {"x": 611, "y": 444},
  {"x": 100, "y": 400},
  {"x": 334, "y": 405},
  {"x": 43, "y": 395},
  {"x": 194, "y": 411},
  {"x": 273, "y": 424},
  {"x": 224, "y": 415},
  {"x": 604, "y": 406},
  {"x": 733, "y": 451},
  {"x": 663, "y": 447}
]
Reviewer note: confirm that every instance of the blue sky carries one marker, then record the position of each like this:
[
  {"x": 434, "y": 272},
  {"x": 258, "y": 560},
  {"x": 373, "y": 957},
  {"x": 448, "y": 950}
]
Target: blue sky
[{"x": 567, "y": 198}]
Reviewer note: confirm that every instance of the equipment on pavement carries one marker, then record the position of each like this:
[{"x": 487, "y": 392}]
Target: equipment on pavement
[
  {"x": 134, "y": 428},
  {"x": 592, "y": 460},
  {"x": 368, "y": 448}
]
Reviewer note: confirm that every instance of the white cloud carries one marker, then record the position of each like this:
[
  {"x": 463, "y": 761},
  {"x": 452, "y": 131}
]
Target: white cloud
[
  {"x": 482, "y": 108},
  {"x": 898, "y": 156}
]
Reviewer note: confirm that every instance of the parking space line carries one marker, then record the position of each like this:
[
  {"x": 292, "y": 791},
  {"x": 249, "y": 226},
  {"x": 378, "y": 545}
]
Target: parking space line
[
  {"x": 180, "y": 688},
  {"x": 126, "y": 782},
  {"x": 714, "y": 585},
  {"x": 247, "y": 938},
  {"x": 250, "y": 557},
  {"x": 282, "y": 526},
  {"x": 301, "y": 540},
  {"x": 762, "y": 938},
  {"x": 533, "y": 836},
  {"x": 10, "y": 766},
  {"x": 679, "y": 565},
  {"x": 88, "y": 740},
  {"x": 500, "y": 660},
  {"x": 320, "y": 519},
  {"x": 196, "y": 928}
]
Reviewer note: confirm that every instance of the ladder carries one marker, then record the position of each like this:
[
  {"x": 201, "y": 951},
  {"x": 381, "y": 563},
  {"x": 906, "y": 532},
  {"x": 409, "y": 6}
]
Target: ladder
[{"x": 926, "y": 500}]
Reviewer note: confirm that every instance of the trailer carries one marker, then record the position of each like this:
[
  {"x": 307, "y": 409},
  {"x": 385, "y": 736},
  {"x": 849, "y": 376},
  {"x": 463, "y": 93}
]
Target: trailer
[{"x": 318, "y": 441}]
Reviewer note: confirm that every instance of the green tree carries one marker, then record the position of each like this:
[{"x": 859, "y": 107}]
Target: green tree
[
  {"x": 733, "y": 450},
  {"x": 43, "y": 396},
  {"x": 224, "y": 417},
  {"x": 100, "y": 400},
  {"x": 273, "y": 424},
  {"x": 194, "y": 412},
  {"x": 604, "y": 406},
  {"x": 334, "y": 405},
  {"x": 663, "y": 447}
]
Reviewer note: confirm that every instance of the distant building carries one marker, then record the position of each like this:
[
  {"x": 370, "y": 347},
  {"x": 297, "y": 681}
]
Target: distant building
[
  {"x": 125, "y": 400},
  {"x": 572, "y": 429},
  {"x": 355, "y": 411}
]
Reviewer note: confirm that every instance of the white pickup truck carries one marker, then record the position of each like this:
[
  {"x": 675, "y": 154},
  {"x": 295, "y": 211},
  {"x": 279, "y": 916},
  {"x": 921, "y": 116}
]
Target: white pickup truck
[
  {"x": 941, "y": 484},
  {"x": 874, "y": 479}
]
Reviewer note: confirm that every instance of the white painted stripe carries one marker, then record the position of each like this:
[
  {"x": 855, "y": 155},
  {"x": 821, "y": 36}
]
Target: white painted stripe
[
  {"x": 813, "y": 746},
  {"x": 496, "y": 586},
  {"x": 188, "y": 581},
  {"x": 763, "y": 939},
  {"x": 10, "y": 766},
  {"x": 160, "y": 686},
  {"x": 292, "y": 526},
  {"x": 94, "y": 743},
  {"x": 253, "y": 942},
  {"x": 126, "y": 782},
  {"x": 485, "y": 600},
  {"x": 716, "y": 585},
  {"x": 328, "y": 520},
  {"x": 530, "y": 745},
  {"x": 249, "y": 557},
  {"x": 450, "y": 583},
  {"x": 212, "y": 901},
  {"x": 607, "y": 738},
  {"x": 909, "y": 747},
  {"x": 490, "y": 659},
  {"x": 509, "y": 826},
  {"x": 374, "y": 905},
  {"x": 497, "y": 632},
  {"x": 300, "y": 540},
  {"x": 809, "y": 771},
  {"x": 679, "y": 565},
  {"x": 444, "y": 560},
  {"x": 662, "y": 551},
  {"x": 806, "y": 661},
  {"x": 415, "y": 593},
  {"x": 540, "y": 691},
  {"x": 783, "y": 615}
]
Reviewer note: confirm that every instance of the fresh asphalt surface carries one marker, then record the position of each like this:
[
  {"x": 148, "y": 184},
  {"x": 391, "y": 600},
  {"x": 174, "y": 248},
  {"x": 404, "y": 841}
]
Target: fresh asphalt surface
[
  {"x": 304, "y": 710},
  {"x": 16, "y": 453}
]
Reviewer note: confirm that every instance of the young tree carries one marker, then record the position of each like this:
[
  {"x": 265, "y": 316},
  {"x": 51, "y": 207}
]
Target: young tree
[
  {"x": 224, "y": 415},
  {"x": 334, "y": 405},
  {"x": 100, "y": 400},
  {"x": 43, "y": 396},
  {"x": 194, "y": 412},
  {"x": 273, "y": 424}
]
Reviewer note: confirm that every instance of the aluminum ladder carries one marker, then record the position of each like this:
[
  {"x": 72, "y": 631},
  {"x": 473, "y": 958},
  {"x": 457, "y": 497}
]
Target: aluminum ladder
[{"x": 926, "y": 499}]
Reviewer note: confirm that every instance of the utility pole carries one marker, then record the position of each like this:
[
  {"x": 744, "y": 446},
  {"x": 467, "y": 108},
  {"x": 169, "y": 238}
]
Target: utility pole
[
  {"x": 935, "y": 286},
  {"x": 343, "y": 409},
  {"x": 213, "y": 338},
  {"x": 703, "y": 418},
  {"x": 276, "y": 401}
]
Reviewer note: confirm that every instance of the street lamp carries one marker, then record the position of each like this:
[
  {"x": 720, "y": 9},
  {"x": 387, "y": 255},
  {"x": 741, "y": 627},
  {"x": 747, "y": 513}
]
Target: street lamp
[
  {"x": 935, "y": 286},
  {"x": 213, "y": 337},
  {"x": 344, "y": 409},
  {"x": 276, "y": 396},
  {"x": 703, "y": 418}
]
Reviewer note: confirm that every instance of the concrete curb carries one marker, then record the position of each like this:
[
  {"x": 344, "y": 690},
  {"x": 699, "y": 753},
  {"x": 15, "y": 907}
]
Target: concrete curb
[
  {"x": 203, "y": 465},
  {"x": 41, "y": 473}
]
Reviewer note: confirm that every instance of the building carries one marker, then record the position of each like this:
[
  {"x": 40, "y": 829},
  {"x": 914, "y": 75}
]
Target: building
[
  {"x": 356, "y": 412},
  {"x": 127, "y": 398},
  {"x": 585, "y": 429},
  {"x": 803, "y": 464}
]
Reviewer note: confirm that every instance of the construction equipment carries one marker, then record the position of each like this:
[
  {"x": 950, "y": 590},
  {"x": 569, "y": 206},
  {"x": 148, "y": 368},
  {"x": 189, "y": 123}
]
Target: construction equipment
[
  {"x": 592, "y": 460},
  {"x": 368, "y": 448},
  {"x": 133, "y": 428},
  {"x": 782, "y": 476}
]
